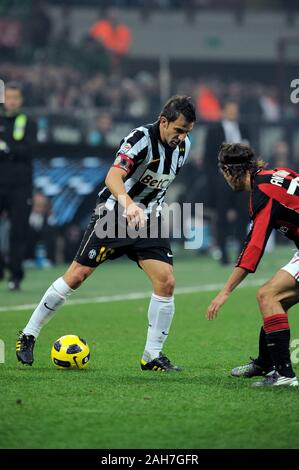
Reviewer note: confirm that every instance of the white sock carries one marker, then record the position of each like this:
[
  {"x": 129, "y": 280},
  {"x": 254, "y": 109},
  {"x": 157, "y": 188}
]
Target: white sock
[
  {"x": 53, "y": 298},
  {"x": 160, "y": 314}
]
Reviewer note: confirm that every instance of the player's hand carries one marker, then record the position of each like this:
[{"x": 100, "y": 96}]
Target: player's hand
[
  {"x": 215, "y": 305},
  {"x": 135, "y": 216}
]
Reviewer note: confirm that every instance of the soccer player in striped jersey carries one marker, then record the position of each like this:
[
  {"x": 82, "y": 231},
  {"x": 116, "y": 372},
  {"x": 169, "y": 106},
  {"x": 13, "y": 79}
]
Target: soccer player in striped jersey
[
  {"x": 274, "y": 204},
  {"x": 148, "y": 160}
]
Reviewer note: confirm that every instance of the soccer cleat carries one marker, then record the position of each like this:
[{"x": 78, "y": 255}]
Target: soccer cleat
[
  {"x": 252, "y": 369},
  {"x": 160, "y": 364},
  {"x": 274, "y": 379},
  {"x": 24, "y": 348}
]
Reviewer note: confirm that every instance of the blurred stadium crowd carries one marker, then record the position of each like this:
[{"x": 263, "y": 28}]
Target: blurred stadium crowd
[
  {"x": 57, "y": 74},
  {"x": 59, "y": 87}
]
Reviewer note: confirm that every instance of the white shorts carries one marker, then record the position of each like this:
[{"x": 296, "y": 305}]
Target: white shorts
[{"x": 293, "y": 266}]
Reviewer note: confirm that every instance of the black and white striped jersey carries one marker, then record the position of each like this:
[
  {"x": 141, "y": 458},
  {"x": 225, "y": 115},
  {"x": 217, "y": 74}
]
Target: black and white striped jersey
[{"x": 151, "y": 167}]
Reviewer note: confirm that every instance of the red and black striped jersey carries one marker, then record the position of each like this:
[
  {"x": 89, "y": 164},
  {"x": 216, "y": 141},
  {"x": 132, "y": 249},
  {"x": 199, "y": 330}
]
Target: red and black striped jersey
[{"x": 274, "y": 204}]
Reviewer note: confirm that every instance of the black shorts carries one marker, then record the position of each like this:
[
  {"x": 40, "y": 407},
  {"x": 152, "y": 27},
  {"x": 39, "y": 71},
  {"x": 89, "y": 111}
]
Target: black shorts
[{"x": 93, "y": 250}]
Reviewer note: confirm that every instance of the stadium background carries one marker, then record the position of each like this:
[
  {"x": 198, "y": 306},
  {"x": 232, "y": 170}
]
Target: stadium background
[{"x": 85, "y": 98}]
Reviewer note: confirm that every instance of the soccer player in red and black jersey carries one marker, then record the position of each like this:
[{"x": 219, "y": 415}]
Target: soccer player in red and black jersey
[{"x": 274, "y": 204}]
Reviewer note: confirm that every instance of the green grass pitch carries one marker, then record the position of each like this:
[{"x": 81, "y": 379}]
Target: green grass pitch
[{"x": 113, "y": 404}]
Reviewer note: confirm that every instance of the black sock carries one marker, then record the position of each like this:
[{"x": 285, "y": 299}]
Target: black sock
[
  {"x": 278, "y": 347},
  {"x": 264, "y": 359}
]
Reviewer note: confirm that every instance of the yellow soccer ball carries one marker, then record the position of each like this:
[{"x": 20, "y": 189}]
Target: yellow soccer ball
[{"x": 70, "y": 352}]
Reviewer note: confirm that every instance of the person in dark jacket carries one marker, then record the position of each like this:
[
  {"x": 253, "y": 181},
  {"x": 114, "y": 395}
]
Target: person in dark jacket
[
  {"x": 218, "y": 196},
  {"x": 17, "y": 138}
]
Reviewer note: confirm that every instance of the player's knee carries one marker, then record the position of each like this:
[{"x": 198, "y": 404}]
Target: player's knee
[
  {"x": 265, "y": 294},
  {"x": 166, "y": 285},
  {"x": 170, "y": 285},
  {"x": 262, "y": 295},
  {"x": 78, "y": 275}
]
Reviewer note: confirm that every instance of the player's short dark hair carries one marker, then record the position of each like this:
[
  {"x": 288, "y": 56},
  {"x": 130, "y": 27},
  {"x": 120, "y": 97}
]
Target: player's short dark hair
[
  {"x": 237, "y": 159},
  {"x": 179, "y": 104},
  {"x": 14, "y": 85}
]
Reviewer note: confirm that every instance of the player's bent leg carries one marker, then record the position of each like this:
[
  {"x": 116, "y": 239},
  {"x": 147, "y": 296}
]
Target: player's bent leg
[
  {"x": 277, "y": 295},
  {"x": 160, "y": 315},
  {"x": 52, "y": 300},
  {"x": 279, "y": 291},
  {"x": 274, "y": 297}
]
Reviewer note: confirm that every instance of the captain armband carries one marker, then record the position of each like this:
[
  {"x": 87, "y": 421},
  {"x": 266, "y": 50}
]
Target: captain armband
[{"x": 124, "y": 162}]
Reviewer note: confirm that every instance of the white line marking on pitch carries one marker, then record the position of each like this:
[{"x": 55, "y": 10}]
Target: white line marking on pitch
[{"x": 134, "y": 295}]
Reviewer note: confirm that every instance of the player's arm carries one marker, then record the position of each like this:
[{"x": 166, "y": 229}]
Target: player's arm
[
  {"x": 233, "y": 281},
  {"x": 250, "y": 256},
  {"x": 115, "y": 183},
  {"x": 132, "y": 151}
]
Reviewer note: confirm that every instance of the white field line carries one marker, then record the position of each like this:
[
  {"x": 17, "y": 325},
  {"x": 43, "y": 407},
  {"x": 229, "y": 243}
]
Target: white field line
[{"x": 134, "y": 295}]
